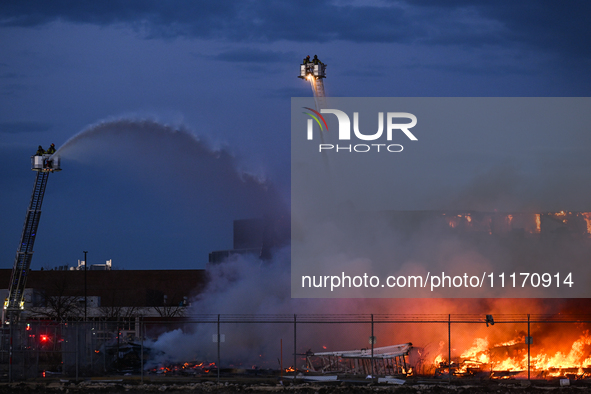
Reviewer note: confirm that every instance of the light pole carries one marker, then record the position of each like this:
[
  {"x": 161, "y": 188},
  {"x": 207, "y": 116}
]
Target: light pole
[{"x": 85, "y": 302}]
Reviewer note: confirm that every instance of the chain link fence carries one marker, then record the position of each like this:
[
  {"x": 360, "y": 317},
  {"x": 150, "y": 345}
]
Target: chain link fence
[{"x": 444, "y": 347}]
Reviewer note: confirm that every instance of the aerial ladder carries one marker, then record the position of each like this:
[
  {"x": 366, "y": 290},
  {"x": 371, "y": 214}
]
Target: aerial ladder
[
  {"x": 314, "y": 71},
  {"x": 43, "y": 164}
]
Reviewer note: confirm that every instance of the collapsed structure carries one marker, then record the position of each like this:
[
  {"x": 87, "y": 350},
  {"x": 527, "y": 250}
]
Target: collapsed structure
[{"x": 386, "y": 360}]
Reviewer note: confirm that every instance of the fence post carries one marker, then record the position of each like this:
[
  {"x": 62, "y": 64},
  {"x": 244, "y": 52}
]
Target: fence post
[
  {"x": 295, "y": 369},
  {"x": 372, "y": 361},
  {"x": 528, "y": 349},
  {"x": 10, "y": 347},
  {"x": 142, "y": 348},
  {"x": 90, "y": 347},
  {"x": 449, "y": 344},
  {"x": 77, "y": 351},
  {"x": 219, "y": 340},
  {"x": 25, "y": 353},
  {"x": 281, "y": 362},
  {"x": 37, "y": 351}
]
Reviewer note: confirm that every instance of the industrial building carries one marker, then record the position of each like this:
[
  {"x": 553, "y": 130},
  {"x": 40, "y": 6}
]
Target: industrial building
[
  {"x": 257, "y": 236},
  {"x": 59, "y": 294}
]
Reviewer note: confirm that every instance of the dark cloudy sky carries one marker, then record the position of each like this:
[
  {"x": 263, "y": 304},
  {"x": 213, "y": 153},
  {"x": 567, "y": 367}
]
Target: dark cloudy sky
[{"x": 226, "y": 70}]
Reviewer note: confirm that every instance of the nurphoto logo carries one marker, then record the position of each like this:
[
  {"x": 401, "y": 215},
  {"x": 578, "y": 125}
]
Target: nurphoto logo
[{"x": 344, "y": 134}]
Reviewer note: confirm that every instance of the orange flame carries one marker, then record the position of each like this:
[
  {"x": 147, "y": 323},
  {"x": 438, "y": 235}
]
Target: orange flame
[{"x": 484, "y": 356}]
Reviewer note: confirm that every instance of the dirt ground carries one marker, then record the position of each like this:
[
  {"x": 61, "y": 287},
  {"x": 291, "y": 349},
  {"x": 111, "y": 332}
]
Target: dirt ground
[{"x": 273, "y": 386}]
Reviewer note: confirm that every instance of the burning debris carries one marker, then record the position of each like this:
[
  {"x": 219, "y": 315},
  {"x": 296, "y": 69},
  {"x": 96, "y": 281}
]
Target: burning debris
[
  {"x": 387, "y": 360},
  {"x": 511, "y": 360},
  {"x": 186, "y": 369}
]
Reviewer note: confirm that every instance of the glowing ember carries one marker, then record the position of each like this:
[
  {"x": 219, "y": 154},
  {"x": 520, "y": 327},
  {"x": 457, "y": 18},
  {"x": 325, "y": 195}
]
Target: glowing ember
[{"x": 188, "y": 368}]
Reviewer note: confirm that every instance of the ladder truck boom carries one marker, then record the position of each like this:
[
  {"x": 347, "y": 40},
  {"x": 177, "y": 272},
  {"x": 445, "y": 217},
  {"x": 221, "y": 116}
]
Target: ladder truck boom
[
  {"x": 314, "y": 71},
  {"x": 43, "y": 164}
]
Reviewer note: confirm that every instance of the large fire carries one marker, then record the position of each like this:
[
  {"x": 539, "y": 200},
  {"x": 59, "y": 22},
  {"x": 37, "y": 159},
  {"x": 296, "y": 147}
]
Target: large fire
[
  {"x": 510, "y": 359},
  {"x": 510, "y": 346}
]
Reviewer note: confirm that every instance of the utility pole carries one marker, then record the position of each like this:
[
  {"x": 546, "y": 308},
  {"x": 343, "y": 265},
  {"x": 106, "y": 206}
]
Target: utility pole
[{"x": 85, "y": 286}]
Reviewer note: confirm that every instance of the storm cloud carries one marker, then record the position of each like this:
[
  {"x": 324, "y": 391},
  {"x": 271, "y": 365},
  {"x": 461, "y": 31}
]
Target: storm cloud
[{"x": 467, "y": 23}]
